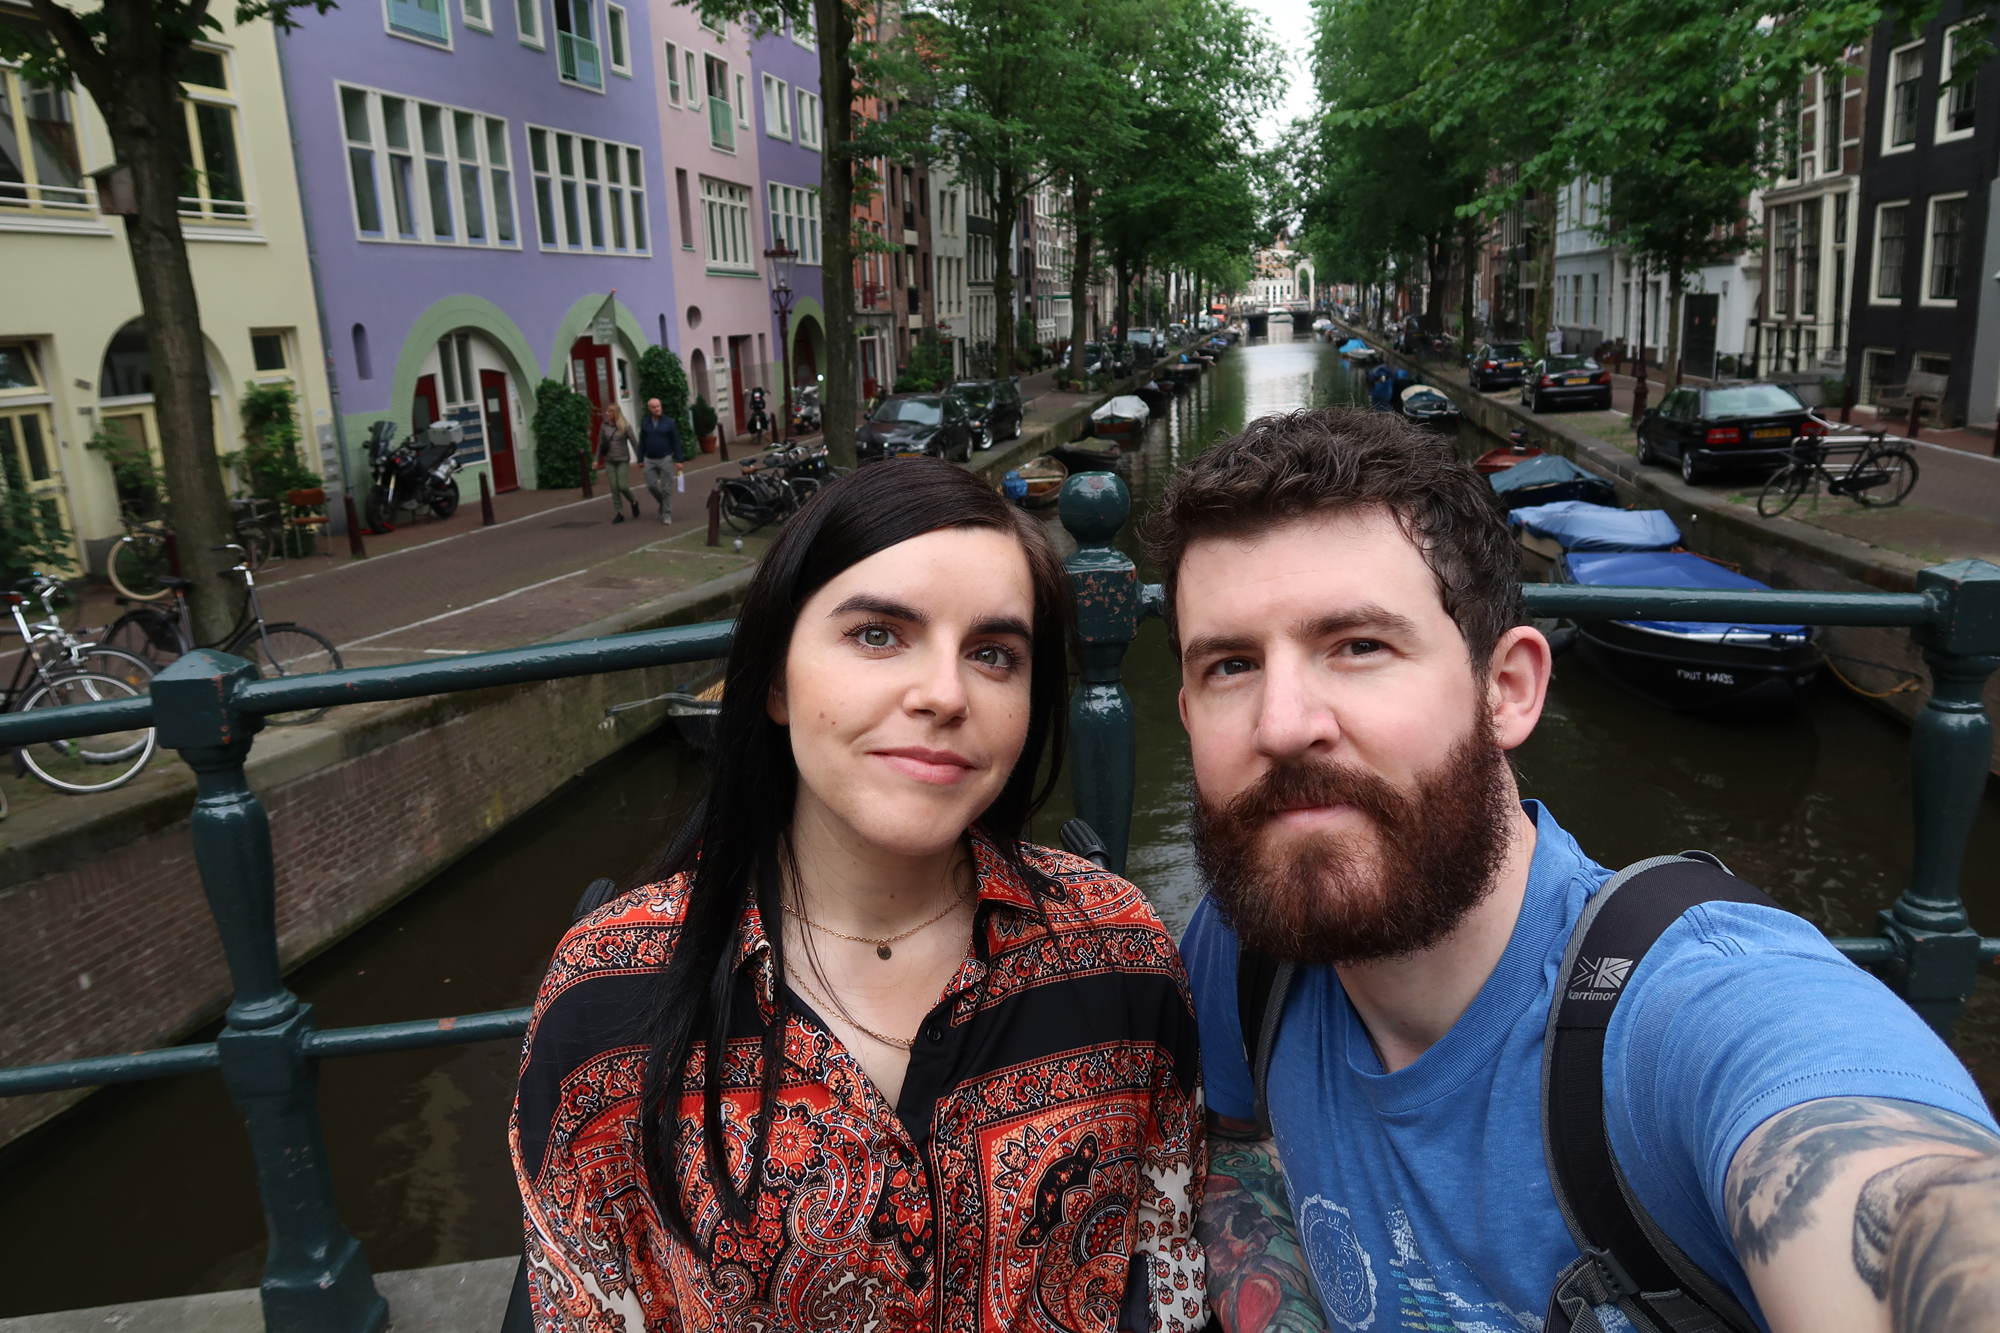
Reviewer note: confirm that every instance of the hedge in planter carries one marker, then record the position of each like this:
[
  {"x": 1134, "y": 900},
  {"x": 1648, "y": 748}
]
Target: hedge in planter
[{"x": 562, "y": 435}]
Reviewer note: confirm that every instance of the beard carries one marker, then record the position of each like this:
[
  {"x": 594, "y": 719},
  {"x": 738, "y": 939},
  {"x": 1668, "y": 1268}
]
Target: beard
[{"x": 1431, "y": 856}]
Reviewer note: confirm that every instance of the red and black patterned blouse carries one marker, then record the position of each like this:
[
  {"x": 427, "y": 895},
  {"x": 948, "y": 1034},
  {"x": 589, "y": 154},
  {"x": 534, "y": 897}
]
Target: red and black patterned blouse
[{"x": 1046, "y": 1149}]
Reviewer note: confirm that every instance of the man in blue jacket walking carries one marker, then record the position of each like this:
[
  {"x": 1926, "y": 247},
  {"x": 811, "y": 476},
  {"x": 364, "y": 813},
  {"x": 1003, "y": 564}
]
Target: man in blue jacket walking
[{"x": 660, "y": 456}]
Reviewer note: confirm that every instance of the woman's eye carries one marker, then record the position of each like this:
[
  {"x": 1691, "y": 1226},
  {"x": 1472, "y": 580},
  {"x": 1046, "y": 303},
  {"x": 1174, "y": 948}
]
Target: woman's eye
[
  {"x": 993, "y": 655},
  {"x": 876, "y": 636}
]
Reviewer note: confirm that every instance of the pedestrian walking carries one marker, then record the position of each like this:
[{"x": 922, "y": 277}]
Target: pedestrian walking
[
  {"x": 615, "y": 447},
  {"x": 659, "y": 457}
]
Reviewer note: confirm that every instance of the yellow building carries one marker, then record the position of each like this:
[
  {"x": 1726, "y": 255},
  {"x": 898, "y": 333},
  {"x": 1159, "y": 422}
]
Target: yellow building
[{"x": 72, "y": 348}]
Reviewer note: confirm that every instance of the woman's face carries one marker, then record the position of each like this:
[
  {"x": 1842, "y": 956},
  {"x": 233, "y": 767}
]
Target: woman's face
[{"x": 906, "y": 688}]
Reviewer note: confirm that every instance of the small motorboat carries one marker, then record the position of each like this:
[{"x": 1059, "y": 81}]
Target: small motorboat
[
  {"x": 1550, "y": 477},
  {"x": 1123, "y": 415},
  {"x": 1359, "y": 353},
  {"x": 1044, "y": 477},
  {"x": 1547, "y": 532},
  {"x": 1427, "y": 405},
  {"x": 1516, "y": 449},
  {"x": 1742, "y": 671},
  {"x": 1322, "y": 324},
  {"x": 1153, "y": 396},
  {"x": 694, "y": 714},
  {"x": 1080, "y": 457}
]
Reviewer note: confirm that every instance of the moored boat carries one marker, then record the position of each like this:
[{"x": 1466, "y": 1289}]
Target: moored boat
[
  {"x": 1045, "y": 477},
  {"x": 1428, "y": 405},
  {"x": 1123, "y": 415},
  {"x": 1359, "y": 353},
  {"x": 1080, "y": 457},
  {"x": 1546, "y": 532},
  {"x": 1539, "y": 481}
]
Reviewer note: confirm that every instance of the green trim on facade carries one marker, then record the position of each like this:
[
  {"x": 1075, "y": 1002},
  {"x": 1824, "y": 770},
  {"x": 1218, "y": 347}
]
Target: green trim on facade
[{"x": 448, "y": 315}]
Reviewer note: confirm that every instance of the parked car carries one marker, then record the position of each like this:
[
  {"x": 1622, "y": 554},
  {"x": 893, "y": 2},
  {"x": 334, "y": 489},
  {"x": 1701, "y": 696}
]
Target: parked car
[
  {"x": 1556, "y": 380},
  {"x": 993, "y": 409},
  {"x": 916, "y": 425},
  {"x": 1147, "y": 344},
  {"x": 1726, "y": 428},
  {"x": 1497, "y": 365}
]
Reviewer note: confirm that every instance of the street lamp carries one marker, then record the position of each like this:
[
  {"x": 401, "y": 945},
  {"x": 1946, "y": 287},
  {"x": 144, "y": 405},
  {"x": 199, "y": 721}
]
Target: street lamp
[{"x": 778, "y": 273}]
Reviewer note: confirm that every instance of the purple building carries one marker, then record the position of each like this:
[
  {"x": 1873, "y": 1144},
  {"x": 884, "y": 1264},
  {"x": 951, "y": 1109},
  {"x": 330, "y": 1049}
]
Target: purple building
[
  {"x": 791, "y": 127},
  {"x": 479, "y": 175}
]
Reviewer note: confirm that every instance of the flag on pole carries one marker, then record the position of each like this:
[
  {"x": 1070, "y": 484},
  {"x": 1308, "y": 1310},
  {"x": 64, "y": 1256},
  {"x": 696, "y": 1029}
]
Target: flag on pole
[{"x": 604, "y": 325}]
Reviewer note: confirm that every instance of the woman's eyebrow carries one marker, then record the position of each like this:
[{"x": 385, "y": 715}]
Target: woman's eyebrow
[
  {"x": 1005, "y": 625},
  {"x": 880, "y": 606}
]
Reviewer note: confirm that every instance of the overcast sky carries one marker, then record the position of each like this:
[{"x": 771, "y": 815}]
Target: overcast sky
[{"x": 1291, "y": 26}]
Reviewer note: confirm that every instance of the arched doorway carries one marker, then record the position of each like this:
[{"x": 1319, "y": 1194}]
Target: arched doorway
[
  {"x": 698, "y": 374},
  {"x": 806, "y": 341},
  {"x": 603, "y": 373},
  {"x": 467, "y": 378},
  {"x": 125, "y": 415}
]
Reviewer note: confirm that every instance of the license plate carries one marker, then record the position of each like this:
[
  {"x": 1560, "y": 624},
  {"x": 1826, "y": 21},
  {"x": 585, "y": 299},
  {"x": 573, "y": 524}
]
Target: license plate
[
  {"x": 1577, "y": 379},
  {"x": 1510, "y": 365},
  {"x": 1771, "y": 433}
]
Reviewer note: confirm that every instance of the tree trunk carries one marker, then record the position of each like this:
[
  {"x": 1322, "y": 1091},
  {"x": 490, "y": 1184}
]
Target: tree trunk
[
  {"x": 1079, "y": 281},
  {"x": 1672, "y": 364},
  {"x": 140, "y": 97},
  {"x": 1545, "y": 268},
  {"x": 1640, "y": 386},
  {"x": 840, "y": 395},
  {"x": 1006, "y": 216},
  {"x": 1124, "y": 299},
  {"x": 1468, "y": 252}
]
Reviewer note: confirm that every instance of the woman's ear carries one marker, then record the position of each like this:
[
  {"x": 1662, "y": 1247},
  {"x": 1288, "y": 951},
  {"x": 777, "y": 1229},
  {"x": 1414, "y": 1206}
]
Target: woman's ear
[{"x": 774, "y": 705}]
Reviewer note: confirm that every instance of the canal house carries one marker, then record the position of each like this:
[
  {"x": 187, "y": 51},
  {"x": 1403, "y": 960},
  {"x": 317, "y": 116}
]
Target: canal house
[
  {"x": 785, "y": 64},
  {"x": 480, "y": 177}
]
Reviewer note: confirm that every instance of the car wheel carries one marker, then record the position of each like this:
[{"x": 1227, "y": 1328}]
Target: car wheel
[
  {"x": 1646, "y": 455},
  {"x": 1690, "y": 473},
  {"x": 1535, "y": 404}
]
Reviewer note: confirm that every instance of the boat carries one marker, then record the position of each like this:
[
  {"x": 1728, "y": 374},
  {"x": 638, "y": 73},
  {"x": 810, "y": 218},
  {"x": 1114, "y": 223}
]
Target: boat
[
  {"x": 1428, "y": 406},
  {"x": 1538, "y": 481},
  {"x": 1154, "y": 397},
  {"x": 1123, "y": 415},
  {"x": 1547, "y": 532},
  {"x": 1738, "y": 671},
  {"x": 694, "y": 714},
  {"x": 1045, "y": 477},
  {"x": 1499, "y": 460},
  {"x": 1080, "y": 457},
  {"x": 1359, "y": 353}
]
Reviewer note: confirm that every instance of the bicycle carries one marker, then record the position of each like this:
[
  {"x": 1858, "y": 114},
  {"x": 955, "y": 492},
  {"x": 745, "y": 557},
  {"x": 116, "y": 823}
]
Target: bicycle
[
  {"x": 145, "y": 554},
  {"x": 281, "y": 649},
  {"x": 74, "y": 672},
  {"x": 1880, "y": 471}
]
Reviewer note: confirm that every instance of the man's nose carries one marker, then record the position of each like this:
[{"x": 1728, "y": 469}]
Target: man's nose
[{"x": 1293, "y": 718}]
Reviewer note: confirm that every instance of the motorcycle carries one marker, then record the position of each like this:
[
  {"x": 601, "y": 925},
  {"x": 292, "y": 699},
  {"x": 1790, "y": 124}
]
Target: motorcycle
[
  {"x": 805, "y": 409},
  {"x": 419, "y": 473}
]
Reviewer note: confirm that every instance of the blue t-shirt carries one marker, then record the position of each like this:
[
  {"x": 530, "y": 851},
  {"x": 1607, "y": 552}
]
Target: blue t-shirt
[{"x": 1422, "y": 1197}]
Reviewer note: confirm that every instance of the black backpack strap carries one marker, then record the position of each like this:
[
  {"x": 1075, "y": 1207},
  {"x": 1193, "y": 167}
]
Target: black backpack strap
[
  {"x": 1627, "y": 1260},
  {"x": 1262, "y": 984}
]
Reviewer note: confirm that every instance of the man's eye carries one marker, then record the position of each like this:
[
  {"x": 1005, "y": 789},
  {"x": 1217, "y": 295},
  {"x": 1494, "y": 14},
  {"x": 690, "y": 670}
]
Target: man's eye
[{"x": 1234, "y": 666}]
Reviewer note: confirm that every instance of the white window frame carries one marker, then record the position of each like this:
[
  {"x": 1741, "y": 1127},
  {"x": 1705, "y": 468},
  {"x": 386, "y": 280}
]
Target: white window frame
[
  {"x": 742, "y": 102},
  {"x": 1942, "y": 132},
  {"x": 621, "y": 201},
  {"x": 1875, "y": 296},
  {"x": 496, "y": 177},
  {"x": 1924, "y": 297},
  {"x": 599, "y": 48},
  {"x": 444, "y": 43},
  {"x": 673, "y": 74},
  {"x": 529, "y": 37},
  {"x": 808, "y": 120},
  {"x": 808, "y": 36},
  {"x": 484, "y": 22},
  {"x": 694, "y": 72},
  {"x": 47, "y": 206},
  {"x": 729, "y": 238},
  {"x": 623, "y": 26},
  {"x": 777, "y": 108},
  {"x": 795, "y": 217},
  {"x": 719, "y": 29},
  {"x": 1889, "y": 145}
]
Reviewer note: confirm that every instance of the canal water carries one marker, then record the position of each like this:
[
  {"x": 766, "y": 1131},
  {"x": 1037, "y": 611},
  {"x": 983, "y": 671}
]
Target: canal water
[{"x": 148, "y": 1191}]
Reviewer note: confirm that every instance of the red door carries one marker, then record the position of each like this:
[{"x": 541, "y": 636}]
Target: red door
[
  {"x": 499, "y": 429},
  {"x": 739, "y": 352},
  {"x": 590, "y": 373},
  {"x": 425, "y": 411}
]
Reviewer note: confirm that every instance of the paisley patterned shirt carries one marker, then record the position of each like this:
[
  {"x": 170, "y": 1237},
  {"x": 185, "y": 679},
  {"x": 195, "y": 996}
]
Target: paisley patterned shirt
[{"x": 1040, "y": 1172}]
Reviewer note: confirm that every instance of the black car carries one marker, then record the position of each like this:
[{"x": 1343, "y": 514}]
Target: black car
[
  {"x": 1497, "y": 365},
  {"x": 1556, "y": 380},
  {"x": 993, "y": 408},
  {"x": 1730, "y": 427},
  {"x": 916, "y": 425}
]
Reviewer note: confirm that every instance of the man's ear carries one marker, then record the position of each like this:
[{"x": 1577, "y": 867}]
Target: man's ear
[{"x": 1517, "y": 684}]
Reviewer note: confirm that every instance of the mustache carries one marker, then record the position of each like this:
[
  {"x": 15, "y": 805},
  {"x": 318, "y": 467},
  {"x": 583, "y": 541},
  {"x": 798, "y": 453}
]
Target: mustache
[{"x": 1301, "y": 784}]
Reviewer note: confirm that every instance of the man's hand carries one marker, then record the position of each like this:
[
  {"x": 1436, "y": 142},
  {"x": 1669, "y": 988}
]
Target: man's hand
[
  {"x": 1257, "y": 1279},
  {"x": 1866, "y": 1213}
]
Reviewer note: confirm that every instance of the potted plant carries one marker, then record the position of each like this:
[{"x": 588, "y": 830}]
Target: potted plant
[{"x": 704, "y": 424}]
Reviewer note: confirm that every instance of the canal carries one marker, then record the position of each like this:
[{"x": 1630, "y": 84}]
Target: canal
[{"x": 148, "y": 1190}]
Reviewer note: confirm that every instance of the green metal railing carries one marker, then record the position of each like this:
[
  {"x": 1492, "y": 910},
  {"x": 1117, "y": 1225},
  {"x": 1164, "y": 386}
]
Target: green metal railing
[{"x": 209, "y": 707}]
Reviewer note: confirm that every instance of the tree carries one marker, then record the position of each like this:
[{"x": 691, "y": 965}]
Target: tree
[
  {"x": 661, "y": 376},
  {"x": 130, "y": 55}
]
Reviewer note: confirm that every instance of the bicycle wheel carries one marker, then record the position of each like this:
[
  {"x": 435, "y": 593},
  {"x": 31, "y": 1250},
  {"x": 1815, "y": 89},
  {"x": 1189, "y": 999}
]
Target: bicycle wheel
[
  {"x": 100, "y": 659},
  {"x": 288, "y": 650},
  {"x": 255, "y": 539},
  {"x": 87, "y": 763},
  {"x": 1784, "y": 488},
  {"x": 138, "y": 562},
  {"x": 1897, "y": 471},
  {"x": 740, "y": 512},
  {"x": 146, "y": 632}
]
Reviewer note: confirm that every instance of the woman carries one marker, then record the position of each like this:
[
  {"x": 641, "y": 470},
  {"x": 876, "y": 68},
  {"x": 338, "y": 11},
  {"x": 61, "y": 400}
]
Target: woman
[
  {"x": 959, "y": 1088},
  {"x": 615, "y": 447}
]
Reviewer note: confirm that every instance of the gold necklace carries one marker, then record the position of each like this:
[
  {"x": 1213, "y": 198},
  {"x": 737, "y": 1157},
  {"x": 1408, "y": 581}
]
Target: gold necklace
[
  {"x": 814, "y": 996},
  {"x": 882, "y": 949}
]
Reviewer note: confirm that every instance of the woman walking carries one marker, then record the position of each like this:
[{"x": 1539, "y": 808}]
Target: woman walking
[
  {"x": 863, "y": 1058},
  {"x": 615, "y": 447}
]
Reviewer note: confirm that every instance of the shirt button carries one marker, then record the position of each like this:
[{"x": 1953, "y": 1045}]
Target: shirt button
[{"x": 935, "y": 1033}]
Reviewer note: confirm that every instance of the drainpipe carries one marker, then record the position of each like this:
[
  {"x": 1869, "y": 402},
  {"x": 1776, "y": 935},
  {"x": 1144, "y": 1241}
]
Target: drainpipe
[{"x": 336, "y": 515}]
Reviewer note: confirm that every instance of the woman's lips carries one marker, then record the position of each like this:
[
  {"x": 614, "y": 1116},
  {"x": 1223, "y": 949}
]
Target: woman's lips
[{"x": 939, "y": 768}]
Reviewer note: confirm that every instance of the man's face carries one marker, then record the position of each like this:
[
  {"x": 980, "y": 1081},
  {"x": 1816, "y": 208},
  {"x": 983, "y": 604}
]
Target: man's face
[
  {"x": 1352, "y": 797},
  {"x": 653, "y": 406}
]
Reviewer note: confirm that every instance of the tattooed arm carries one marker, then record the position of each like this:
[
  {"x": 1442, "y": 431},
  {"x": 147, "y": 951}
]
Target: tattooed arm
[
  {"x": 1870, "y": 1214},
  {"x": 1257, "y": 1281}
]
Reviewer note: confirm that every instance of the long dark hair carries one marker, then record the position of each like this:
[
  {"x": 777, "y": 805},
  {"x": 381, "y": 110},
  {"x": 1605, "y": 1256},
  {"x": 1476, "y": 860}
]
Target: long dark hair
[{"x": 753, "y": 785}]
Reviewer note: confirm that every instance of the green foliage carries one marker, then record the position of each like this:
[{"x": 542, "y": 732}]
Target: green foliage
[
  {"x": 32, "y": 536},
  {"x": 661, "y": 376},
  {"x": 269, "y": 460},
  {"x": 704, "y": 417},
  {"x": 929, "y": 367},
  {"x": 562, "y": 435},
  {"x": 141, "y": 493}
]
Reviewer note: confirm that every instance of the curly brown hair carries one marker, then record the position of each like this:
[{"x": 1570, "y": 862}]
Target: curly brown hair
[{"x": 1336, "y": 459}]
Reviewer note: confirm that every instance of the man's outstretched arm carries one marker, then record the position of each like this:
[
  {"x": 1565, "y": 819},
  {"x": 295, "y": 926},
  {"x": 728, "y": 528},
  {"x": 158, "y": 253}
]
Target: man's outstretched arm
[
  {"x": 1257, "y": 1280},
  {"x": 1863, "y": 1213}
]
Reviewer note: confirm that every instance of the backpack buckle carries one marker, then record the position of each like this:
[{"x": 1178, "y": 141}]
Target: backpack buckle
[{"x": 1614, "y": 1274}]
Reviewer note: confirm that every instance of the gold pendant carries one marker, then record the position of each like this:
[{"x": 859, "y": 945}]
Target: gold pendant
[{"x": 882, "y": 951}]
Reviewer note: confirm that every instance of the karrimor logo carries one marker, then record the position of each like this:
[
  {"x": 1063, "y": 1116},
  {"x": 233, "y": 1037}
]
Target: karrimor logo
[{"x": 1601, "y": 973}]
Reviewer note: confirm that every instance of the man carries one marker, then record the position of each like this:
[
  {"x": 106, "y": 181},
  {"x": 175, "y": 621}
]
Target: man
[
  {"x": 1354, "y": 669},
  {"x": 659, "y": 449}
]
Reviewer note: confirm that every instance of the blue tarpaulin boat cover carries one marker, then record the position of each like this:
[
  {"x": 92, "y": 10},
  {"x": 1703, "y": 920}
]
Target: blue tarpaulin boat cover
[
  {"x": 1354, "y": 345},
  {"x": 1578, "y": 525},
  {"x": 1547, "y": 478},
  {"x": 1668, "y": 569}
]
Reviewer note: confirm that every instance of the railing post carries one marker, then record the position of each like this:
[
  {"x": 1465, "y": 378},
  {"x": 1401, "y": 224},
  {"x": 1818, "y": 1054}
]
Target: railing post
[
  {"x": 1951, "y": 750},
  {"x": 1103, "y": 737},
  {"x": 316, "y": 1278}
]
